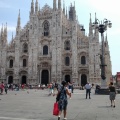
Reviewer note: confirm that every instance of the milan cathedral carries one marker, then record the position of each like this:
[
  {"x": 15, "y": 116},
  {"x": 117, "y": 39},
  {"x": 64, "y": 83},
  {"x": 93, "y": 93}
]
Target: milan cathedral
[{"x": 52, "y": 46}]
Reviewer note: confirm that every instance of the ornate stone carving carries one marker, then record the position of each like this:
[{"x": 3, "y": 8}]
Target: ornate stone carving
[{"x": 46, "y": 9}]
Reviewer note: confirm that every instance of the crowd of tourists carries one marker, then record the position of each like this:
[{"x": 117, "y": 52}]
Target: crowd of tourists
[
  {"x": 60, "y": 91},
  {"x": 13, "y": 87}
]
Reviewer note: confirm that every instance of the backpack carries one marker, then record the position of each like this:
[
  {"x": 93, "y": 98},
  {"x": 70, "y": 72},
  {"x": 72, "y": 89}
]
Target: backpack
[{"x": 58, "y": 95}]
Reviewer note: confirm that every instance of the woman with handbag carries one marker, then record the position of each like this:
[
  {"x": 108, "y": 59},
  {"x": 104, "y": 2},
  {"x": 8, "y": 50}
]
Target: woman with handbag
[
  {"x": 112, "y": 94},
  {"x": 62, "y": 102}
]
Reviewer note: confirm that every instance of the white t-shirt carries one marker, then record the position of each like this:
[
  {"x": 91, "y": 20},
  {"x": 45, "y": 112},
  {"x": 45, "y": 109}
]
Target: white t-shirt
[{"x": 88, "y": 86}]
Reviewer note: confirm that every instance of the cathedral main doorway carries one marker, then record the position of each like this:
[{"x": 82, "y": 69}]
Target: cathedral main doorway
[
  {"x": 67, "y": 78},
  {"x": 45, "y": 77},
  {"x": 10, "y": 80},
  {"x": 83, "y": 80},
  {"x": 23, "y": 81}
]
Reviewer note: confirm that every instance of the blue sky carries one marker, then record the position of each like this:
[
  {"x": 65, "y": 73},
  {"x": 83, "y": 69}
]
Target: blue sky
[{"x": 109, "y": 9}]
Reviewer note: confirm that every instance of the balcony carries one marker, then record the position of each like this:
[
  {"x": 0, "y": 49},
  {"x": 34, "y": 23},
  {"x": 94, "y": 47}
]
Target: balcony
[
  {"x": 83, "y": 66},
  {"x": 23, "y": 68},
  {"x": 67, "y": 68},
  {"x": 45, "y": 57},
  {"x": 10, "y": 70}
]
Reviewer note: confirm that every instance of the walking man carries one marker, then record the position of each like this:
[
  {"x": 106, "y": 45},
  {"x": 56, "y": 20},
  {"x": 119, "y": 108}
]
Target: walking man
[{"x": 88, "y": 89}]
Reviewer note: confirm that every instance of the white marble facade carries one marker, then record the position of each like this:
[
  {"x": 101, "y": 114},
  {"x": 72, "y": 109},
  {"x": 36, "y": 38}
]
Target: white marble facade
[{"x": 52, "y": 46}]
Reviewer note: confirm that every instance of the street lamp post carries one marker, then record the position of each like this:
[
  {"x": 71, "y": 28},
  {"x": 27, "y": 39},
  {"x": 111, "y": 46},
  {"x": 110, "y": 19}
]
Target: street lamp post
[{"x": 102, "y": 27}]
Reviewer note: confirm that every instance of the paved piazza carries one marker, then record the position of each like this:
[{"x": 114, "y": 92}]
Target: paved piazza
[{"x": 37, "y": 105}]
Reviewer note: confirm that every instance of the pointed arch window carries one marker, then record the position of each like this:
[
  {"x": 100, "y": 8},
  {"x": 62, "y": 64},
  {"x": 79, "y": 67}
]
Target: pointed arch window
[
  {"x": 67, "y": 45},
  {"x": 25, "y": 48},
  {"x": 11, "y": 64},
  {"x": 46, "y": 28},
  {"x": 83, "y": 60},
  {"x": 45, "y": 50},
  {"x": 24, "y": 62},
  {"x": 67, "y": 61}
]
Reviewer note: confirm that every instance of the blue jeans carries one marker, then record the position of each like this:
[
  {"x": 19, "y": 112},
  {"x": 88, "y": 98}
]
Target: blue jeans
[{"x": 88, "y": 92}]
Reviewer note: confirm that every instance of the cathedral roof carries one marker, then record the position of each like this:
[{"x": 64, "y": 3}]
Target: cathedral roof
[{"x": 46, "y": 9}]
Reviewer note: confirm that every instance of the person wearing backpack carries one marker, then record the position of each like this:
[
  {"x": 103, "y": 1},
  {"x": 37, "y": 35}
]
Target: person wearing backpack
[{"x": 62, "y": 100}]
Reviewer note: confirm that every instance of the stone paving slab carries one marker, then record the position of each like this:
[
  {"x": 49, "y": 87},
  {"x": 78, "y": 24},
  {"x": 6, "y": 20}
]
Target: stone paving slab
[{"x": 37, "y": 105}]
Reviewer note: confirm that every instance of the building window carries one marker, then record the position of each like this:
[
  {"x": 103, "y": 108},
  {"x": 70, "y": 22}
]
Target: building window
[
  {"x": 25, "y": 48},
  {"x": 46, "y": 28},
  {"x": 67, "y": 61},
  {"x": 83, "y": 60},
  {"x": 45, "y": 50},
  {"x": 24, "y": 63},
  {"x": 11, "y": 64},
  {"x": 67, "y": 45}
]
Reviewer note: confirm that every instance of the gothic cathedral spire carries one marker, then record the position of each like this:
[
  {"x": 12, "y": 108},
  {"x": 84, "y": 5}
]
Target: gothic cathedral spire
[
  {"x": 39, "y": 11},
  {"x": 96, "y": 31},
  {"x": 32, "y": 7},
  {"x": 36, "y": 7},
  {"x": 1, "y": 37},
  {"x": 64, "y": 7},
  {"x": 66, "y": 12},
  {"x": 90, "y": 26},
  {"x": 18, "y": 23},
  {"x": 5, "y": 33},
  {"x": 54, "y": 5},
  {"x": 1, "y": 31},
  {"x": 59, "y": 4}
]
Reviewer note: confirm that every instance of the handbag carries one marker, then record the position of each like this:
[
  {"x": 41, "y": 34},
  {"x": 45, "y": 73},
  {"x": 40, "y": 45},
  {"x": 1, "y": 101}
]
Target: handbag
[{"x": 55, "y": 109}]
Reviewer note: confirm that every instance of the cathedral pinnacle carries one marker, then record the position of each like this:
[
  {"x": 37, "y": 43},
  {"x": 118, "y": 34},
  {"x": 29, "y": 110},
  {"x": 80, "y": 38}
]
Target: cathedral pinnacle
[
  {"x": 36, "y": 7},
  {"x": 74, "y": 4},
  {"x": 72, "y": 13},
  {"x": 90, "y": 27},
  {"x": 95, "y": 18},
  {"x": 59, "y": 4},
  {"x": 19, "y": 21},
  {"x": 5, "y": 33},
  {"x": 32, "y": 7},
  {"x": 66, "y": 12},
  {"x": 39, "y": 10},
  {"x": 90, "y": 19},
  {"x": 54, "y": 5},
  {"x": 64, "y": 7},
  {"x": 5, "y": 30},
  {"x": 2, "y": 31}
]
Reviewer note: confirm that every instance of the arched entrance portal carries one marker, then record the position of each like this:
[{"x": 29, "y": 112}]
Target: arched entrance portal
[
  {"x": 67, "y": 78},
  {"x": 10, "y": 80},
  {"x": 83, "y": 80},
  {"x": 23, "y": 81},
  {"x": 45, "y": 77}
]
